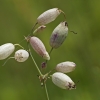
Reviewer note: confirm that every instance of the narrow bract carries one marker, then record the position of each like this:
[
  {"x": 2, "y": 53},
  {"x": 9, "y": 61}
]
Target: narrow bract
[
  {"x": 40, "y": 28},
  {"x": 63, "y": 81},
  {"x": 6, "y": 50},
  {"x": 39, "y": 47},
  {"x": 59, "y": 35},
  {"x": 65, "y": 67},
  {"x": 21, "y": 55},
  {"x": 48, "y": 16}
]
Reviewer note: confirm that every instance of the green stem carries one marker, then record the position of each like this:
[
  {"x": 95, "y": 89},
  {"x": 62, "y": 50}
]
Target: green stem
[
  {"x": 63, "y": 14},
  {"x": 33, "y": 28},
  {"x": 50, "y": 50},
  {"x": 35, "y": 63},
  {"x": 19, "y": 45},
  {"x": 7, "y": 60},
  {"x": 46, "y": 91}
]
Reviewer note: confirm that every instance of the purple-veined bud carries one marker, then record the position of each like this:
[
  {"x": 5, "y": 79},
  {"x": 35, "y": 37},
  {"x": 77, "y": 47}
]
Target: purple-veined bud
[
  {"x": 48, "y": 16},
  {"x": 40, "y": 28},
  {"x": 6, "y": 50},
  {"x": 59, "y": 35},
  {"x": 43, "y": 65},
  {"x": 21, "y": 55},
  {"x": 65, "y": 67},
  {"x": 39, "y": 47},
  {"x": 63, "y": 81}
]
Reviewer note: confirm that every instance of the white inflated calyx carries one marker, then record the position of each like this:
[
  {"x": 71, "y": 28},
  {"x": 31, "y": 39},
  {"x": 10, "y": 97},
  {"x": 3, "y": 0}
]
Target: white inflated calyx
[
  {"x": 59, "y": 35},
  {"x": 65, "y": 67},
  {"x": 21, "y": 55},
  {"x": 63, "y": 81},
  {"x": 48, "y": 16},
  {"x": 6, "y": 50},
  {"x": 39, "y": 47}
]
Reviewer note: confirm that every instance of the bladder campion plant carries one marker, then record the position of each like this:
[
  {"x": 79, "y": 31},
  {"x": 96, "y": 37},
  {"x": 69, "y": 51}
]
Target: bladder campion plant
[{"x": 58, "y": 36}]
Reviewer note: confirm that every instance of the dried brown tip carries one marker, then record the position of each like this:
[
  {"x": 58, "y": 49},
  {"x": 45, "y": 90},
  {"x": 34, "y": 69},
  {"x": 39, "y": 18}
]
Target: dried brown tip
[
  {"x": 66, "y": 24},
  {"x": 73, "y": 32},
  {"x": 63, "y": 13}
]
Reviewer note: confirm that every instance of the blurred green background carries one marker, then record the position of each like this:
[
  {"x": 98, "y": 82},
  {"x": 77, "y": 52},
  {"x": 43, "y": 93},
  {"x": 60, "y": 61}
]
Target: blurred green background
[{"x": 19, "y": 81}]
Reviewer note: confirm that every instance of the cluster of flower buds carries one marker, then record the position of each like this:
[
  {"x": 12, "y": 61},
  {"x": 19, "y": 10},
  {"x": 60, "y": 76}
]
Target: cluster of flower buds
[
  {"x": 62, "y": 80},
  {"x": 7, "y": 49},
  {"x": 58, "y": 36}
]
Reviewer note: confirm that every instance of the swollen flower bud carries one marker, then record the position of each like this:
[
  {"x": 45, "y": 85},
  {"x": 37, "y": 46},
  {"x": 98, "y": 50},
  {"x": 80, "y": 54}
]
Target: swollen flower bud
[
  {"x": 63, "y": 81},
  {"x": 6, "y": 50},
  {"x": 21, "y": 55},
  {"x": 40, "y": 28},
  {"x": 65, "y": 67},
  {"x": 48, "y": 16},
  {"x": 59, "y": 35},
  {"x": 39, "y": 47}
]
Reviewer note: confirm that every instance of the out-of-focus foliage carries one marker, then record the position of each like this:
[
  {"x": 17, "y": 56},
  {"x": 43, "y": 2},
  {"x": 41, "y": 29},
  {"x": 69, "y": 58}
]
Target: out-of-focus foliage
[{"x": 19, "y": 81}]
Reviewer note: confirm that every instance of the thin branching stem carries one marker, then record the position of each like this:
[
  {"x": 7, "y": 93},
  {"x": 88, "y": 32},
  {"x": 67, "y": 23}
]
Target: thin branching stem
[
  {"x": 35, "y": 63},
  {"x": 63, "y": 14},
  {"x": 50, "y": 50},
  {"x": 46, "y": 91},
  {"x": 19, "y": 45},
  {"x": 33, "y": 29},
  {"x": 7, "y": 60}
]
